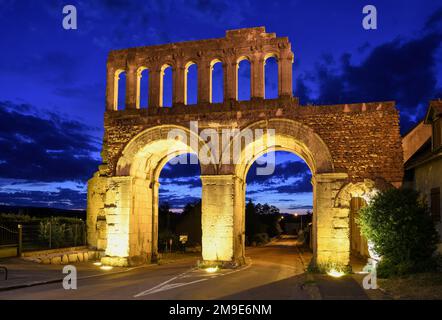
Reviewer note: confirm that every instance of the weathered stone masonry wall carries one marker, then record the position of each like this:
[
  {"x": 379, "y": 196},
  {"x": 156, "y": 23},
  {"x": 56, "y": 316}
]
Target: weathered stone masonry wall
[{"x": 363, "y": 139}]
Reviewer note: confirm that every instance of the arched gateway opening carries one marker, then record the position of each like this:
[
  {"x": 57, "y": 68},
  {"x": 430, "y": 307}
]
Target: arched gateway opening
[{"x": 278, "y": 206}]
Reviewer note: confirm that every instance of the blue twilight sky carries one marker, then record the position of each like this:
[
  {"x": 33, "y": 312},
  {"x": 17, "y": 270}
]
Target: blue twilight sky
[{"x": 52, "y": 81}]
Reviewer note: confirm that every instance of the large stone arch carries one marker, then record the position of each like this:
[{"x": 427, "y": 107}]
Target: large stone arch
[
  {"x": 227, "y": 191},
  {"x": 289, "y": 135},
  {"x": 130, "y": 197}
]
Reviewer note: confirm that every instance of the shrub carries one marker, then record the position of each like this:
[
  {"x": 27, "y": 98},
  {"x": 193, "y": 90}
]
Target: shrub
[
  {"x": 261, "y": 238},
  {"x": 401, "y": 229}
]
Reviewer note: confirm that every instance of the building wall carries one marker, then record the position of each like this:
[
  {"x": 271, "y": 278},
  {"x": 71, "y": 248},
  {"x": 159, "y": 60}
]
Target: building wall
[
  {"x": 428, "y": 176},
  {"x": 415, "y": 139}
]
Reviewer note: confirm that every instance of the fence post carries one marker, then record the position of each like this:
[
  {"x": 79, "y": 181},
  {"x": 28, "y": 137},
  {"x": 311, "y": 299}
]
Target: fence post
[
  {"x": 84, "y": 228},
  {"x": 50, "y": 235},
  {"x": 20, "y": 240},
  {"x": 75, "y": 235}
]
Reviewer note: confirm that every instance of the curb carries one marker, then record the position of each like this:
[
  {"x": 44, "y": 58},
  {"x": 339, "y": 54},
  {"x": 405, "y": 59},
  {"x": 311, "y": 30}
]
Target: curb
[{"x": 51, "y": 281}]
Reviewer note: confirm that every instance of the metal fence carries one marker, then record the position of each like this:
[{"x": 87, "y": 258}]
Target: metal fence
[
  {"x": 43, "y": 235},
  {"x": 8, "y": 236}
]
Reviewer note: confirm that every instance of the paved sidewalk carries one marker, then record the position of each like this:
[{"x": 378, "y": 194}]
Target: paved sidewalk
[
  {"x": 22, "y": 273},
  {"x": 344, "y": 288}
]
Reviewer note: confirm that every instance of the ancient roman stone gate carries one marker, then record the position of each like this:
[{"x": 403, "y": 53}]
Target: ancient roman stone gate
[{"x": 352, "y": 149}]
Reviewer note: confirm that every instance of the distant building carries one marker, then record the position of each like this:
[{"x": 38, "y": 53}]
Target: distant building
[{"x": 423, "y": 160}]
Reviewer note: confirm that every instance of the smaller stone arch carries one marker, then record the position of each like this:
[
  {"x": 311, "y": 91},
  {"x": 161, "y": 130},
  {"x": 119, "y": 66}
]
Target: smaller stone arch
[
  {"x": 116, "y": 77},
  {"x": 238, "y": 61},
  {"x": 271, "y": 54},
  {"x": 140, "y": 71},
  {"x": 212, "y": 64},
  {"x": 186, "y": 75},
  {"x": 366, "y": 189},
  {"x": 163, "y": 68}
]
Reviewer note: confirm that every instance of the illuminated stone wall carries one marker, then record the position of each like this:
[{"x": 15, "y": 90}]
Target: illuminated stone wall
[{"x": 344, "y": 146}]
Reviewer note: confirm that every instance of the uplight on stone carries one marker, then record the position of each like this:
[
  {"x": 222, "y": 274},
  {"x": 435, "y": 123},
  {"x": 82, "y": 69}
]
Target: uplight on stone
[
  {"x": 212, "y": 269},
  {"x": 106, "y": 268},
  {"x": 335, "y": 273}
]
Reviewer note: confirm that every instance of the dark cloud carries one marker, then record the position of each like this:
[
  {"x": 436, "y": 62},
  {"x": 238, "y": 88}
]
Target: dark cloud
[
  {"x": 180, "y": 170},
  {"x": 434, "y": 22},
  {"x": 44, "y": 148},
  {"x": 295, "y": 207},
  {"x": 300, "y": 186},
  {"x": 62, "y": 198},
  {"x": 400, "y": 70},
  {"x": 282, "y": 172},
  {"x": 178, "y": 202}
]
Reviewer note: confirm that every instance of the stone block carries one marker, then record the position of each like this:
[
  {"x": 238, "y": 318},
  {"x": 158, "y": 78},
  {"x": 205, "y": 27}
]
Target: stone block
[
  {"x": 73, "y": 257},
  {"x": 65, "y": 259},
  {"x": 56, "y": 260}
]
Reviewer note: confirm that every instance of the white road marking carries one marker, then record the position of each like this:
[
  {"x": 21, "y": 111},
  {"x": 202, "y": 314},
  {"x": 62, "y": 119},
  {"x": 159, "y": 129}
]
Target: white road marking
[{"x": 167, "y": 285}]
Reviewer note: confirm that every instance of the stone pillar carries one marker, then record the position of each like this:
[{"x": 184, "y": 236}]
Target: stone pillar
[
  {"x": 155, "y": 92},
  {"x": 138, "y": 87},
  {"x": 204, "y": 82},
  {"x": 285, "y": 86},
  {"x": 331, "y": 226},
  {"x": 179, "y": 85},
  {"x": 96, "y": 217},
  {"x": 111, "y": 93},
  {"x": 222, "y": 219},
  {"x": 257, "y": 77},
  {"x": 131, "y": 88},
  {"x": 126, "y": 207},
  {"x": 230, "y": 74},
  {"x": 154, "y": 190}
]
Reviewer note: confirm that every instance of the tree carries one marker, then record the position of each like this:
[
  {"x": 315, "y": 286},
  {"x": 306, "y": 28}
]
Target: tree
[
  {"x": 253, "y": 222},
  {"x": 401, "y": 229},
  {"x": 190, "y": 223}
]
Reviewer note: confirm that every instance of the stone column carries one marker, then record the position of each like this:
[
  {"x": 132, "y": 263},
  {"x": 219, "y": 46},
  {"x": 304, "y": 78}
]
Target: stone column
[
  {"x": 285, "y": 86},
  {"x": 154, "y": 190},
  {"x": 155, "y": 94},
  {"x": 96, "y": 217},
  {"x": 330, "y": 224},
  {"x": 111, "y": 85},
  {"x": 204, "y": 82},
  {"x": 222, "y": 219},
  {"x": 230, "y": 74},
  {"x": 257, "y": 77},
  {"x": 131, "y": 88},
  {"x": 126, "y": 207},
  {"x": 179, "y": 84}
]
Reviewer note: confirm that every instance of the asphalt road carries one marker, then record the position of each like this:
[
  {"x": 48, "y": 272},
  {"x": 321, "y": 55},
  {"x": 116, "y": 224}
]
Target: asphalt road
[{"x": 275, "y": 271}]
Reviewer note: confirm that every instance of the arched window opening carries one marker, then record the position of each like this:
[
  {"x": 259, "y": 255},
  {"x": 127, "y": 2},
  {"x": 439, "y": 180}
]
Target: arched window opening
[
  {"x": 120, "y": 90},
  {"x": 166, "y": 86},
  {"x": 191, "y": 83},
  {"x": 244, "y": 79},
  {"x": 271, "y": 77},
  {"x": 142, "y": 87},
  {"x": 217, "y": 82}
]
